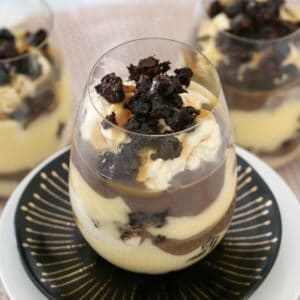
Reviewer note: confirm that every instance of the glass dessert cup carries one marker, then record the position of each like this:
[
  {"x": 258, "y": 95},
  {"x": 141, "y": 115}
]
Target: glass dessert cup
[
  {"x": 177, "y": 202},
  {"x": 260, "y": 78},
  {"x": 35, "y": 97}
]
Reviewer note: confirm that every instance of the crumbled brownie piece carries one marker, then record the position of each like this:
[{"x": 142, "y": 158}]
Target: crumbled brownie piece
[
  {"x": 60, "y": 129},
  {"x": 6, "y": 35},
  {"x": 106, "y": 161},
  {"x": 142, "y": 220},
  {"x": 215, "y": 8},
  {"x": 37, "y": 38},
  {"x": 240, "y": 23},
  {"x": 139, "y": 105},
  {"x": 168, "y": 148},
  {"x": 29, "y": 65},
  {"x": 175, "y": 100},
  {"x": 8, "y": 49},
  {"x": 4, "y": 75},
  {"x": 40, "y": 103},
  {"x": 149, "y": 66},
  {"x": 21, "y": 113},
  {"x": 184, "y": 75},
  {"x": 122, "y": 165},
  {"x": 33, "y": 106},
  {"x": 159, "y": 239},
  {"x": 180, "y": 119},
  {"x": 235, "y": 9},
  {"x": 111, "y": 88},
  {"x": 162, "y": 85},
  {"x": 142, "y": 125},
  {"x": 110, "y": 118}
]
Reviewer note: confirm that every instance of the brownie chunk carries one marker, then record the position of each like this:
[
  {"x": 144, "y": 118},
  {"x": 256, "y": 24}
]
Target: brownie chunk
[{"x": 111, "y": 88}]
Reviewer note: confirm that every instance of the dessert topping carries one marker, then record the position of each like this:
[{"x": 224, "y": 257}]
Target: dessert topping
[{"x": 255, "y": 19}]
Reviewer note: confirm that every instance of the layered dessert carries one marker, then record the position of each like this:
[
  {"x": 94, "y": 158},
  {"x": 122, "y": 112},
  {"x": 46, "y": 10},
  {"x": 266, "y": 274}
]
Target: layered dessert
[
  {"x": 255, "y": 46},
  {"x": 153, "y": 170},
  {"x": 35, "y": 104}
]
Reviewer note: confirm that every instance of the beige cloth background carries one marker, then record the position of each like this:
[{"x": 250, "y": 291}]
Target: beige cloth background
[{"x": 84, "y": 34}]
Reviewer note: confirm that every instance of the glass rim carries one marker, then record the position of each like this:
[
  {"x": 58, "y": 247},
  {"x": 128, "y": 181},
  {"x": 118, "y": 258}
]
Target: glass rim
[
  {"x": 250, "y": 40},
  {"x": 133, "y": 133},
  {"x": 46, "y": 5}
]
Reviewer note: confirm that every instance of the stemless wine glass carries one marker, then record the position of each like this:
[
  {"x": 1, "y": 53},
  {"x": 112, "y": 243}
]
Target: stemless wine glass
[
  {"x": 35, "y": 99},
  {"x": 260, "y": 78},
  {"x": 172, "y": 212}
]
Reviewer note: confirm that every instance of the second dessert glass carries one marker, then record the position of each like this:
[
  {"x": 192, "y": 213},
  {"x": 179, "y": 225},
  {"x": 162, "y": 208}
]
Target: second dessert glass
[
  {"x": 260, "y": 75},
  {"x": 174, "y": 210},
  {"x": 35, "y": 96}
]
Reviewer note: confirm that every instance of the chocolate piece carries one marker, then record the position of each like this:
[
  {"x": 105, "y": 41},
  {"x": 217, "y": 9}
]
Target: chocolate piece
[
  {"x": 159, "y": 239},
  {"x": 21, "y": 114},
  {"x": 142, "y": 125},
  {"x": 7, "y": 49},
  {"x": 183, "y": 118},
  {"x": 235, "y": 9},
  {"x": 139, "y": 105},
  {"x": 4, "y": 76},
  {"x": 106, "y": 161},
  {"x": 240, "y": 23},
  {"x": 37, "y": 38},
  {"x": 215, "y": 8},
  {"x": 40, "y": 103},
  {"x": 123, "y": 165},
  {"x": 162, "y": 85},
  {"x": 60, "y": 129},
  {"x": 149, "y": 66},
  {"x": 184, "y": 75},
  {"x": 6, "y": 35},
  {"x": 29, "y": 66},
  {"x": 33, "y": 106},
  {"x": 167, "y": 148},
  {"x": 141, "y": 220},
  {"x": 111, "y": 88},
  {"x": 111, "y": 118}
]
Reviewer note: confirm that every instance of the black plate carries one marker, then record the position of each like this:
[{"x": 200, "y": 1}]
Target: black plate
[{"x": 63, "y": 266}]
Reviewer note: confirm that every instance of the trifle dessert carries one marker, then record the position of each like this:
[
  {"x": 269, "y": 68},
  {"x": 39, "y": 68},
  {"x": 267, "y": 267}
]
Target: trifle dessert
[
  {"x": 35, "y": 102},
  {"x": 153, "y": 169},
  {"x": 255, "y": 47}
]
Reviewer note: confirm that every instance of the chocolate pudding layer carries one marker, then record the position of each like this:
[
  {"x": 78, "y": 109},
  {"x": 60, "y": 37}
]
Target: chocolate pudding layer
[
  {"x": 255, "y": 47},
  {"x": 152, "y": 184},
  {"x": 35, "y": 103}
]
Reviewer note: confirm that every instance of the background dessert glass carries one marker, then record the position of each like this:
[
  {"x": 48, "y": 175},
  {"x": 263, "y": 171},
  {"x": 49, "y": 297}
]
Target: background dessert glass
[
  {"x": 35, "y": 99},
  {"x": 183, "y": 207},
  {"x": 261, "y": 83}
]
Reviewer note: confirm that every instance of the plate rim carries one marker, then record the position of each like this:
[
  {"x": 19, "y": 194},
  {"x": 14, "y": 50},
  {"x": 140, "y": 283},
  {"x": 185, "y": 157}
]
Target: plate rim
[{"x": 260, "y": 167}]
